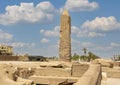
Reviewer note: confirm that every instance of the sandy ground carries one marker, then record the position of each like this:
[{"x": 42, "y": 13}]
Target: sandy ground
[{"x": 111, "y": 81}]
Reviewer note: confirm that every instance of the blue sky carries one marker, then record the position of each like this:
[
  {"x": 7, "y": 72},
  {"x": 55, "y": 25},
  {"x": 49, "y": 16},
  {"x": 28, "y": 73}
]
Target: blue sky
[{"x": 32, "y": 26}]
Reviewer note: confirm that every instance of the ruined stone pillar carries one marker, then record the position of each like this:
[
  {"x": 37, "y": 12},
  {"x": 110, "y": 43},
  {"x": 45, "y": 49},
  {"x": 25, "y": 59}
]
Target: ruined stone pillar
[{"x": 65, "y": 37}]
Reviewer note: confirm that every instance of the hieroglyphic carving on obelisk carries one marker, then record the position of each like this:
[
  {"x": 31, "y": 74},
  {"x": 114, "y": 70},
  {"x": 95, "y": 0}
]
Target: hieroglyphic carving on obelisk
[{"x": 65, "y": 37}]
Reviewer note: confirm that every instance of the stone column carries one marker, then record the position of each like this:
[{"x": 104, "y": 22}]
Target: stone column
[{"x": 65, "y": 37}]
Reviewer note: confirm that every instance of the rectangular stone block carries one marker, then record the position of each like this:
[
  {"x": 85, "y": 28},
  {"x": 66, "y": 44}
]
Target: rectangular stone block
[
  {"x": 112, "y": 72},
  {"x": 49, "y": 71},
  {"x": 52, "y": 80},
  {"x": 79, "y": 69}
]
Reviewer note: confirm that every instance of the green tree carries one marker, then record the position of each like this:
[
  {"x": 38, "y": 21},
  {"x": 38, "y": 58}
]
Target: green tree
[
  {"x": 83, "y": 58},
  {"x": 85, "y": 51},
  {"x": 91, "y": 56},
  {"x": 75, "y": 56}
]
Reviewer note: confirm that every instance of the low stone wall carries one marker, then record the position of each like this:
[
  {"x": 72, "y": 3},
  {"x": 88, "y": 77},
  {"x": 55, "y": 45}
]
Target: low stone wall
[
  {"x": 79, "y": 69},
  {"x": 92, "y": 76},
  {"x": 49, "y": 71},
  {"x": 52, "y": 80},
  {"x": 8, "y": 76},
  {"x": 112, "y": 72},
  {"x": 9, "y": 58}
]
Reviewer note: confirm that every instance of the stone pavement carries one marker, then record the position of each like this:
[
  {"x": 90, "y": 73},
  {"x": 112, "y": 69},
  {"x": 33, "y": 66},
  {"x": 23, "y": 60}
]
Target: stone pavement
[{"x": 111, "y": 81}]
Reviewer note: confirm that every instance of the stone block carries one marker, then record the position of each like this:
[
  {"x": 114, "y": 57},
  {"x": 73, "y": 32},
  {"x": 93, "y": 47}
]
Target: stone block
[
  {"x": 91, "y": 77},
  {"x": 49, "y": 71},
  {"x": 52, "y": 80},
  {"x": 104, "y": 62},
  {"x": 79, "y": 69},
  {"x": 104, "y": 76},
  {"x": 112, "y": 72}
]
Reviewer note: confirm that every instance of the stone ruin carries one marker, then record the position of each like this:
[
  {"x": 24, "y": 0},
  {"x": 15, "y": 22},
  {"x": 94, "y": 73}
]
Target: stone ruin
[
  {"x": 61, "y": 72},
  {"x": 9, "y": 75},
  {"x": 48, "y": 73},
  {"x": 56, "y": 73}
]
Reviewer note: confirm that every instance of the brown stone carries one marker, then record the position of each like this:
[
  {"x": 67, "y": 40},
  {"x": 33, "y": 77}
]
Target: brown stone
[
  {"x": 104, "y": 62},
  {"x": 52, "y": 80},
  {"x": 65, "y": 38},
  {"x": 79, "y": 69},
  {"x": 91, "y": 77},
  {"x": 112, "y": 72},
  {"x": 49, "y": 71}
]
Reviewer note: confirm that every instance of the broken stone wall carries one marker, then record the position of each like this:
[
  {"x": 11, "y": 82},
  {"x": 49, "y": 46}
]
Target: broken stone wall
[
  {"x": 112, "y": 72},
  {"x": 91, "y": 77},
  {"x": 79, "y": 69}
]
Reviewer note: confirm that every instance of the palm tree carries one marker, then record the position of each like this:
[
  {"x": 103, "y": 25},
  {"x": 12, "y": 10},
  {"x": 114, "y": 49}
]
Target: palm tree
[
  {"x": 75, "y": 56},
  {"x": 85, "y": 51},
  {"x": 92, "y": 56}
]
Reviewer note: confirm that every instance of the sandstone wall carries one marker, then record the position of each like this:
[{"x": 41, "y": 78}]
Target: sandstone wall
[
  {"x": 91, "y": 77},
  {"x": 112, "y": 72},
  {"x": 9, "y": 58},
  {"x": 79, "y": 69},
  {"x": 8, "y": 76},
  {"x": 49, "y": 71}
]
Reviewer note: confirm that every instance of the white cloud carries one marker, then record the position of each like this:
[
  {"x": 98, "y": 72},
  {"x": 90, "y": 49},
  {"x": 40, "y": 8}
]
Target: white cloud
[
  {"x": 56, "y": 31},
  {"x": 75, "y": 31},
  {"x": 80, "y": 5},
  {"x": 42, "y": 31},
  {"x": 110, "y": 49},
  {"x": 113, "y": 44},
  {"x": 85, "y": 33},
  {"x": 51, "y": 33},
  {"x": 102, "y": 48},
  {"x": 20, "y": 44},
  {"x": 95, "y": 34},
  {"x": 87, "y": 44},
  {"x": 44, "y": 40},
  {"x": 78, "y": 45},
  {"x": 4, "y": 36},
  {"x": 81, "y": 44},
  {"x": 42, "y": 12},
  {"x": 102, "y": 24}
]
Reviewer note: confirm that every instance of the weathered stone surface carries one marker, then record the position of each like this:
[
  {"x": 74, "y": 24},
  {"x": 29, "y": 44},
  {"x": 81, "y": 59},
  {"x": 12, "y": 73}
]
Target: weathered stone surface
[
  {"x": 25, "y": 81},
  {"x": 112, "y": 72},
  {"x": 111, "y": 81},
  {"x": 117, "y": 63},
  {"x": 104, "y": 76},
  {"x": 24, "y": 72},
  {"x": 8, "y": 76},
  {"x": 104, "y": 62},
  {"x": 51, "y": 80},
  {"x": 65, "y": 39},
  {"x": 49, "y": 71},
  {"x": 91, "y": 77},
  {"x": 79, "y": 69}
]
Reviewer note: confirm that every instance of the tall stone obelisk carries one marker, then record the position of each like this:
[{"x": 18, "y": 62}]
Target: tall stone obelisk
[{"x": 65, "y": 37}]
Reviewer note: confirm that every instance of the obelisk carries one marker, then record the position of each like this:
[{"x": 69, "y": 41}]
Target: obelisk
[{"x": 65, "y": 37}]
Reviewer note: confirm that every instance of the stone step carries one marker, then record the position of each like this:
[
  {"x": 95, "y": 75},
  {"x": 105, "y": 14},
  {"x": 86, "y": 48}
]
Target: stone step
[{"x": 52, "y": 80}]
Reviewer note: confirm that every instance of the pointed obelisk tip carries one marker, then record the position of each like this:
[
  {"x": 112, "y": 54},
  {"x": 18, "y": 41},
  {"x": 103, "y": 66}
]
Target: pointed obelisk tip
[{"x": 65, "y": 12}]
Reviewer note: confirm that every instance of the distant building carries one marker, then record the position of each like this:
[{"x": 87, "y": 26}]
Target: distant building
[
  {"x": 6, "y": 50},
  {"x": 36, "y": 58}
]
